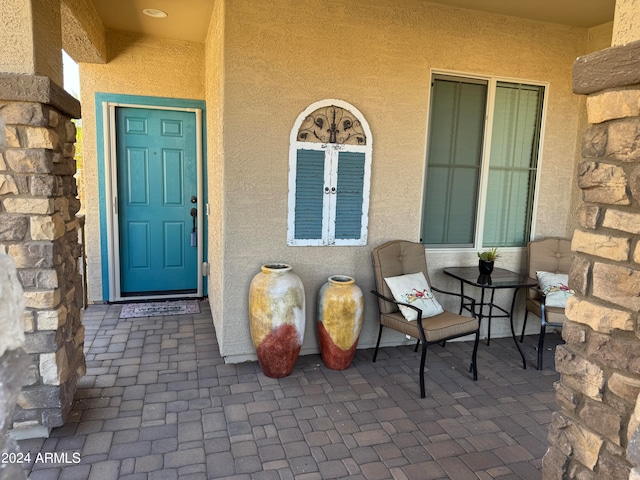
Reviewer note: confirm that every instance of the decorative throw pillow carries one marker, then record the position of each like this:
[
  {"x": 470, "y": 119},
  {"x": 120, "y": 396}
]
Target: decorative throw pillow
[
  {"x": 555, "y": 288},
  {"x": 414, "y": 290}
]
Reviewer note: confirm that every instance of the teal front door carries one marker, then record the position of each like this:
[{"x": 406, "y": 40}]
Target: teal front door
[{"x": 157, "y": 190}]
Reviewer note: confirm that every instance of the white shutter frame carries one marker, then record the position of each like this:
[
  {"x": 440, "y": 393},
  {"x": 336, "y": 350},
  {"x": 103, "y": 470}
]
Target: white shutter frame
[{"x": 331, "y": 171}]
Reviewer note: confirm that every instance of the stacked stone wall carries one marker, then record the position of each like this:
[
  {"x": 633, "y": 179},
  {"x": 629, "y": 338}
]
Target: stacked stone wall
[
  {"x": 39, "y": 229},
  {"x": 13, "y": 361},
  {"x": 600, "y": 362}
]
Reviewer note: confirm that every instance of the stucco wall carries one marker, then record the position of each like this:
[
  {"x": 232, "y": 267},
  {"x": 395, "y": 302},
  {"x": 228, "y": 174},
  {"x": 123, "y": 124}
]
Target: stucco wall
[
  {"x": 47, "y": 38},
  {"x": 598, "y": 38},
  {"x": 627, "y": 19},
  {"x": 26, "y": 52},
  {"x": 261, "y": 65},
  {"x": 83, "y": 33},
  {"x": 137, "y": 65},
  {"x": 281, "y": 57},
  {"x": 214, "y": 59},
  {"x": 15, "y": 37}
]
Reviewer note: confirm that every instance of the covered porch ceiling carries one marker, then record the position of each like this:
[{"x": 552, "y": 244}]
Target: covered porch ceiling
[{"x": 189, "y": 19}]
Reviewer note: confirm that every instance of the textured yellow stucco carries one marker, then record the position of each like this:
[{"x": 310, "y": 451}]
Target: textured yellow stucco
[
  {"x": 264, "y": 62},
  {"x": 47, "y": 47},
  {"x": 16, "y": 37},
  {"x": 281, "y": 57},
  {"x": 599, "y": 38},
  {"x": 83, "y": 33},
  {"x": 30, "y": 38},
  {"x": 138, "y": 66},
  {"x": 627, "y": 19},
  {"x": 214, "y": 86}
]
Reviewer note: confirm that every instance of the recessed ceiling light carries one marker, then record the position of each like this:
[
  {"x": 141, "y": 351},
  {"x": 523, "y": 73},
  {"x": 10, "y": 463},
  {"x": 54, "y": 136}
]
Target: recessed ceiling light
[{"x": 152, "y": 12}]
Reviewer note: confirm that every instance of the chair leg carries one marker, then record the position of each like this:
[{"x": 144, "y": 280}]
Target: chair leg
[
  {"x": 524, "y": 325},
  {"x": 375, "y": 353},
  {"x": 422, "y": 362},
  {"x": 417, "y": 345},
  {"x": 541, "y": 345},
  {"x": 474, "y": 362}
]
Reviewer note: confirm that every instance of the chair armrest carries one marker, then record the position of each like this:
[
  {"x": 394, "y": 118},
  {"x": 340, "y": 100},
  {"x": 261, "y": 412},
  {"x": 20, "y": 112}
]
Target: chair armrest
[
  {"x": 543, "y": 302},
  {"x": 543, "y": 297},
  {"x": 391, "y": 300},
  {"x": 412, "y": 307},
  {"x": 464, "y": 297},
  {"x": 537, "y": 290}
]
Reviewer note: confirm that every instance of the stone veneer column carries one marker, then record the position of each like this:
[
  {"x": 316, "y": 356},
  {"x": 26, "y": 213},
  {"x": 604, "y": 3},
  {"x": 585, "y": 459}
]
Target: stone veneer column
[
  {"x": 600, "y": 363},
  {"x": 13, "y": 360},
  {"x": 39, "y": 229}
]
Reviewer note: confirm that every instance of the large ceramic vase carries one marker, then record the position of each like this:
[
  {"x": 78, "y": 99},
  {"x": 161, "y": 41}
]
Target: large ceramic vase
[
  {"x": 277, "y": 318},
  {"x": 340, "y": 312}
]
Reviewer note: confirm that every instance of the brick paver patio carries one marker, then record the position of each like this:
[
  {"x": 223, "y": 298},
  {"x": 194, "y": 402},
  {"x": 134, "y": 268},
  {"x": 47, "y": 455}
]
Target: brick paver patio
[{"x": 159, "y": 403}]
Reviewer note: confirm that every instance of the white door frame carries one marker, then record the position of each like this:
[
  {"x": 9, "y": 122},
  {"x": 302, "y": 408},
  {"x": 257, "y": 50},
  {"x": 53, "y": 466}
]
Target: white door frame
[{"x": 111, "y": 190}]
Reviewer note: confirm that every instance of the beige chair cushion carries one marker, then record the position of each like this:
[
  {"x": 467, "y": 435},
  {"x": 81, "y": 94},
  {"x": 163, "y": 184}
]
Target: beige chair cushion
[
  {"x": 396, "y": 258},
  {"x": 548, "y": 255},
  {"x": 555, "y": 315},
  {"x": 436, "y": 328}
]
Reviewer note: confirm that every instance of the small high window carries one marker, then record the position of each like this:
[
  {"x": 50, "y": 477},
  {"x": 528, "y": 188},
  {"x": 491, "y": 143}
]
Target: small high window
[{"x": 329, "y": 175}]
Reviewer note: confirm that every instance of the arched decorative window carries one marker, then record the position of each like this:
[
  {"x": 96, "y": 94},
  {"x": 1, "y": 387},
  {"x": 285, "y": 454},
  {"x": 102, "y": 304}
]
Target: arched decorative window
[{"x": 329, "y": 176}]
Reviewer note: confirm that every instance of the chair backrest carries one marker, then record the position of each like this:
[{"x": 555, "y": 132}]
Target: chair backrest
[
  {"x": 548, "y": 255},
  {"x": 397, "y": 257}
]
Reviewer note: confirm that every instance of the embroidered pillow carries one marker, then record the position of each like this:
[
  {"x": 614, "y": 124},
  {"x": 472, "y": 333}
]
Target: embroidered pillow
[
  {"x": 414, "y": 290},
  {"x": 555, "y": 288}
]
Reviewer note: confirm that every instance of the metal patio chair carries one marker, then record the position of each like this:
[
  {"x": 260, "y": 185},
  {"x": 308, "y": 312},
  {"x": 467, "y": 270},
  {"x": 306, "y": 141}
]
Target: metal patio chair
[
  {"x": 399, "y": 257},
  {"x": 545, "y": 255}
]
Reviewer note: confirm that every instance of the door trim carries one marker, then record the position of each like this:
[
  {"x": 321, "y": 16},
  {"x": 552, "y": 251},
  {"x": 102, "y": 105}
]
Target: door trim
[{"x": 111, "y": 206}]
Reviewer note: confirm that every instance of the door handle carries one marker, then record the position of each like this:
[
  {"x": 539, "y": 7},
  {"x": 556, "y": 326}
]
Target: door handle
[
  {"x": 194, "y": 215},
  {"x": 194, "y": 234}
]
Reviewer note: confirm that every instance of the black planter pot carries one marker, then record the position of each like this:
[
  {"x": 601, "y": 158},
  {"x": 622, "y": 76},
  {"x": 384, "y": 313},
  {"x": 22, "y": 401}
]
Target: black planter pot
[{"x": 485, "y": 267}]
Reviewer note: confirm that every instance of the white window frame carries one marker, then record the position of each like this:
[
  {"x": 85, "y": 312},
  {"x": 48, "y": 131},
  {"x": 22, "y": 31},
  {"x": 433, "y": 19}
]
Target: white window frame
[
  {"x": 332, "y": 151},
  {"x": 492, "y": 82}
]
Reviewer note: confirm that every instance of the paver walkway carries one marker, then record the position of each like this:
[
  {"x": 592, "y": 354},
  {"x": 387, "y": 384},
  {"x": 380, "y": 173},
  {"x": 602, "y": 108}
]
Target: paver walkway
[{"x": 159, "y": 403}]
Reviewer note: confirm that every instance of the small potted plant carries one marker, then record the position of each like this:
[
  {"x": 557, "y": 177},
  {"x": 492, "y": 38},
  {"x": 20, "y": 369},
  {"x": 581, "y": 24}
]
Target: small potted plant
[{"x": 486, "y": 259}]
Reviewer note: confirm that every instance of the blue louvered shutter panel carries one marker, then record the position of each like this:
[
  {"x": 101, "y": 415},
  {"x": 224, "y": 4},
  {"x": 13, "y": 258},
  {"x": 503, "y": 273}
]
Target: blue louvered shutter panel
[
  {"x": 309, "y": 194},
  {"x": 350, "y": 193}
]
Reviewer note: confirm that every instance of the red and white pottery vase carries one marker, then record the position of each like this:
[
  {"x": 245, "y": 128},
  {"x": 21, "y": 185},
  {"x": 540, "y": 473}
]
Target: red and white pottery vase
[
  {"x": 277, "y": 318},
  {"x": 340, "y": 313}
]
